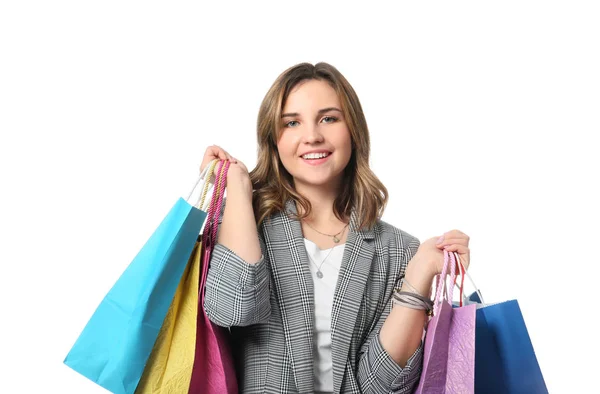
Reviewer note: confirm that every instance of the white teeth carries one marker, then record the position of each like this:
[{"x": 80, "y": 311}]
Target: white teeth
[{"x": 315, "y": 155}]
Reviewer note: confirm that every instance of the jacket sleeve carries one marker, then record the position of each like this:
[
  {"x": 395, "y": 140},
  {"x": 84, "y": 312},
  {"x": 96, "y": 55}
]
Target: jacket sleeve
[
  {"x": 237, "y": 293},
  {"x": 377, "y": 371}
]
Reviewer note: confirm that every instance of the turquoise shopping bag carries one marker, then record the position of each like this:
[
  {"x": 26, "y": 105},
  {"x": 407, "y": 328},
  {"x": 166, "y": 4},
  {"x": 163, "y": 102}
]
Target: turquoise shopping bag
[{"x": 114, "y": 346}]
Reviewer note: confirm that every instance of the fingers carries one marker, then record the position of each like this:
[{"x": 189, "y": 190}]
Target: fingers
[
  {"x": 464, "y": 253},
  {"x": 453, "y": 237},
  {"x": 460, "y": 249},
  {"x": 215, "y": 152},
  {"x": 456, "y": 234},
  {"x": 219, "y": 153},
  {"x": 453, "y": 241},
  {"x": 456, "y": 241}
]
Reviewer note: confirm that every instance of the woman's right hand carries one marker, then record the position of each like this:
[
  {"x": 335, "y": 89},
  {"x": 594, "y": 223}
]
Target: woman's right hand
[{"x": 237, "y": 175}]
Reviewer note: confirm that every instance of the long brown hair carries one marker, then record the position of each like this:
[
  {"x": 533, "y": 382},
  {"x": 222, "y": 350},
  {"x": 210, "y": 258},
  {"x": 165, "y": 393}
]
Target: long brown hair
[{"x": 361, "y": 190}]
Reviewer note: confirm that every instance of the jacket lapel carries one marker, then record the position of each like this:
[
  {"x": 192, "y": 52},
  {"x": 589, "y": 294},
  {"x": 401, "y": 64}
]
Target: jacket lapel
[
  {"x": 352, "y": 281},
  {"x": 295, "y": 292}
]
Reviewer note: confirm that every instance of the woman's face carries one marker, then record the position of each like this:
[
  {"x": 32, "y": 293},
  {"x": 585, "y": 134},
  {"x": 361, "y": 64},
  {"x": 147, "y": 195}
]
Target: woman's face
[{"x": 315, "y": 144}]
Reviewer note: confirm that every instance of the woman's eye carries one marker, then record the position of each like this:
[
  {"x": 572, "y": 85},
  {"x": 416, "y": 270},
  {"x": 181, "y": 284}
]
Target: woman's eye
[
  {"x": 329, "y": 119},
  {"x": 291, "y": 123}
]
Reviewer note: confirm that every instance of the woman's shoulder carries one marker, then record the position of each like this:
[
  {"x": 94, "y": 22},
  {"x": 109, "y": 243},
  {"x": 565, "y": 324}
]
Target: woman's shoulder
[{"x": 390, "y": 233}]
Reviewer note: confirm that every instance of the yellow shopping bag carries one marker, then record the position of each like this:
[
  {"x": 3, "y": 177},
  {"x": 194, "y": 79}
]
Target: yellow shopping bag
[{"x": 169, "y": 367}]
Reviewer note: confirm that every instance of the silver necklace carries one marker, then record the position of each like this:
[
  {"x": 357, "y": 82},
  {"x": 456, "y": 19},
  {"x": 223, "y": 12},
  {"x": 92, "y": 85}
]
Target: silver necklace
[
  {"x": 319, "y": 272},
  {"x": 334, "y": 236}
]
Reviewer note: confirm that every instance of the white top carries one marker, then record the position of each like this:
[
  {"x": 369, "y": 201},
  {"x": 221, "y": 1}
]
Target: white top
[{"x": 329, "y": 261}]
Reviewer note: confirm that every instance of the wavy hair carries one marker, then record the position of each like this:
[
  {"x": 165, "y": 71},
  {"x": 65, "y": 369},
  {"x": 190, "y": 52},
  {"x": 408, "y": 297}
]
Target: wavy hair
[{"x": 362, "y": 192}]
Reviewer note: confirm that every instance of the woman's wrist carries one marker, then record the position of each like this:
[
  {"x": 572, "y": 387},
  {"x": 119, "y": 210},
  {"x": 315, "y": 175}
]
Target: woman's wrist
[
  {"x": 420, "y": 276},
  {"x": 240, "y": 184}
]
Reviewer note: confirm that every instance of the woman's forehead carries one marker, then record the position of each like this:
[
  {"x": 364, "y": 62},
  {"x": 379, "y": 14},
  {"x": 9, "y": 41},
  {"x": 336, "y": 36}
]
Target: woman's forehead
[{"x": 311, "y": 96}]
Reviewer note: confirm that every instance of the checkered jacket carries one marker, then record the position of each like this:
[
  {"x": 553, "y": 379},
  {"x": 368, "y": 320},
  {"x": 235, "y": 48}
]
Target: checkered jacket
[{"x": 270, "y": 309}]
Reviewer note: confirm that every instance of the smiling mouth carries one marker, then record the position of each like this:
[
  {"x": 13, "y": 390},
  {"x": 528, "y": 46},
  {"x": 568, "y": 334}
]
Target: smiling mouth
[{"x": 316, "y": 156}]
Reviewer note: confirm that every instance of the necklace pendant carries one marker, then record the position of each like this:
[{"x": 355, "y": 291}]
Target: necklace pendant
[
  {"x": 336, "y": 239},
  {"x": 319, "y": 275}
]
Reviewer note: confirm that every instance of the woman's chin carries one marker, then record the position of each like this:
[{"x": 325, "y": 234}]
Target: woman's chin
[{"x": 316, "y": 181}]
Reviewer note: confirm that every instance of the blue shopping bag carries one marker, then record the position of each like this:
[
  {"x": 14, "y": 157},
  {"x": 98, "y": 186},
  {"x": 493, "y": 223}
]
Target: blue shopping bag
[
  {"x": 505, "y": 361},
  {"x": 114, "y": 346}
]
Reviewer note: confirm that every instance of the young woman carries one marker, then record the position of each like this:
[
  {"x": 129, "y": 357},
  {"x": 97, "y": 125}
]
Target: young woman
[{"x": 305, "y": 272}]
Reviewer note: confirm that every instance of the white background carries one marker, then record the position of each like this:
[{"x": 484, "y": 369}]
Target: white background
[{"x": 483, "y": 117}]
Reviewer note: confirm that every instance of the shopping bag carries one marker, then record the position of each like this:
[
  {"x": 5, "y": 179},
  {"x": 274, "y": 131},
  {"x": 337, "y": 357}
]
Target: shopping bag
[
  {"x": 505, "y": 361},
  {"x": 214, "y": 371},
  {"x": 169, "y": 367},
  {"x": 113, "y": 348},
  {"x": 449, "y": 351}
]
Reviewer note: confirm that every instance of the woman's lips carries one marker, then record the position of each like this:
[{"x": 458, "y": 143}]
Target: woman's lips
[{"x": 316, "y": 162}]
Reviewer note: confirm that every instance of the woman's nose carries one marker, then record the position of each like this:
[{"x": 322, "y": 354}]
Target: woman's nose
[{"x": 312, "y": 135}]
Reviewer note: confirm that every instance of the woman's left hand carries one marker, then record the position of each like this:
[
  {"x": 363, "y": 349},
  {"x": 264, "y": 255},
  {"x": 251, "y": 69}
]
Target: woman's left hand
[
  {"x": 454, "y": 241},
  {"x": 429, "y": 259}
]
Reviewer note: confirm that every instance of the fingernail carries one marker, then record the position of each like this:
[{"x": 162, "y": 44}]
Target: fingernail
[{"x": 440, "y": 240}]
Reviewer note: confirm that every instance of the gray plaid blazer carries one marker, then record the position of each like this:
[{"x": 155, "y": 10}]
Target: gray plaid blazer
[{"x": 269, "y": 307}]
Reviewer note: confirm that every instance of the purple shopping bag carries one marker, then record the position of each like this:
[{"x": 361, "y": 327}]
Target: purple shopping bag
[{"x": 449, "y": 352}]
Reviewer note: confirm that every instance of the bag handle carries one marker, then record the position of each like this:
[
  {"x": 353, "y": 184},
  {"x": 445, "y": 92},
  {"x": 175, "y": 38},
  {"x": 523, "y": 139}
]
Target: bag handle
[
  {"x": 472, "y": 282},
  {"x": 207, "y": 184},
  {"x": 209, "y": 236},
  {"x": 454, "y": 261},
  {"x": 462, "y": 270},
  {"x": 441, "y": 287},
  {"x": 204, "y": 181},
  {"x": 219, "y": 194},
  {"x": 216, "y": 203}
]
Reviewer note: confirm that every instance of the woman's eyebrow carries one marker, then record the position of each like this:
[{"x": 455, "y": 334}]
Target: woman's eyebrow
[{"x": 321, "y": 111}]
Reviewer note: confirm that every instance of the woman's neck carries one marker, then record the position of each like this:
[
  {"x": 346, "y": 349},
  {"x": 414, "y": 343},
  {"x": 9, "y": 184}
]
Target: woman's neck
[{"x": 321, "y": 200}]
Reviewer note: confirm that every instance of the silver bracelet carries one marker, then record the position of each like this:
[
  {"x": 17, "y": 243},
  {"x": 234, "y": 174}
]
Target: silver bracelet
[
  {"x": 411, "y": 287},
  {"x": 413, "y": 301}
]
